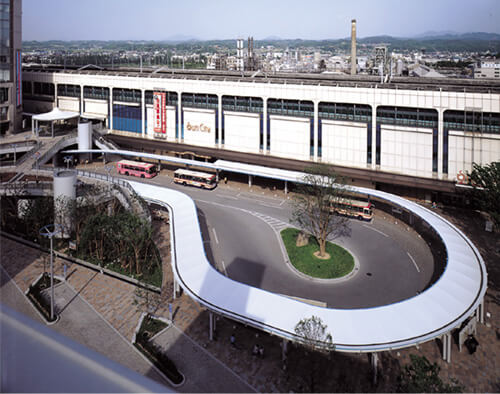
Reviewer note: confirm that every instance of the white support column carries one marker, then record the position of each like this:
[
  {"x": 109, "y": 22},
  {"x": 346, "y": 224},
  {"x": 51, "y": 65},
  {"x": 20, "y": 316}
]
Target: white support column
[
  {"x": 110, "y": 121},
  {"x": 374, "y": 136},
  {"x": 211, "y": 326},
  {"x": 446, "y": 338},
  {"x": 374, "y": 362},
  {"x": 219, "y": 121},
  {"x": 480, "y": 312},
  {"x": 264, "y": 124},
  {"x": 143, "y": 112},
  {"x": 250, "y": 181},
  {"x": 286, "y": 187},
  {"x": 440, "y": 143},
  {"x": 56, "y": 98},
  {"x": 179, "y": 116},
  {"x": 284, "y": 350},
  {"x": 33, "y": 126},
  {"x": 316, "y": 131},
  {"x": 82, "y": 102},
  {"x": 217, "y": 173}
]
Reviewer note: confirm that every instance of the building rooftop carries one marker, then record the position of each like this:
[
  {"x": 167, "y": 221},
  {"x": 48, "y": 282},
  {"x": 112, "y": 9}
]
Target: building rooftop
[{"x": 351, "y": 81}]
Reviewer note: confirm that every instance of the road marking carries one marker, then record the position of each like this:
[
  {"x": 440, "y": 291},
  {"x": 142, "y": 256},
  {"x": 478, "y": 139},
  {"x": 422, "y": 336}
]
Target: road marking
[
  {"x": 226, "y": 196},
  {"x": 413, "y": 260},
  {"x": 215, "y": 235},
  {"x": 374, "y": 229}
]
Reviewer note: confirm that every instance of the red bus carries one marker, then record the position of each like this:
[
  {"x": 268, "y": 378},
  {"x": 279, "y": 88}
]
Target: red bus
[
  {"x": 363, "y": 210},
  {"x": 195, "y": 178},
  {"x": 136, "y": 168}
]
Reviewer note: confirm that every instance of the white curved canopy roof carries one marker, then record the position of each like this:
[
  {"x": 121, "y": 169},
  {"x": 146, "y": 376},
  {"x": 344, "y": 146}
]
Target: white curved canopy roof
[
  {"x": 56, "y": 114},
  {"x": 442, "y": 307}
]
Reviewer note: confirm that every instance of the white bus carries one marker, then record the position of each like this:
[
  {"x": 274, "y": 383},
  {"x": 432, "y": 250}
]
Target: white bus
[
  {"x": 195, "y": 178},
  {"x": 362, "y": 210}
]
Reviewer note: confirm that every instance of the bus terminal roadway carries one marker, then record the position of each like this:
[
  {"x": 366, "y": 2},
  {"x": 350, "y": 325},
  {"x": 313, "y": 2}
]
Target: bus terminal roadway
[{"x": 240, "y": 228}]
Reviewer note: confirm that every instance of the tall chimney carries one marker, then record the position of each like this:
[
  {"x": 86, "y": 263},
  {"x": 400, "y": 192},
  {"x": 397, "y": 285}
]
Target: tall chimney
[{"x": 353, "y": 47}]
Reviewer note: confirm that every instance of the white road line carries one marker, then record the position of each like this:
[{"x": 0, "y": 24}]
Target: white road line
[
  {"x": 413, "y": 260},
  {"x": 215, "y": 235},
  {"x": 226, "y": 196},
  {"x": 374, "y": 229}
]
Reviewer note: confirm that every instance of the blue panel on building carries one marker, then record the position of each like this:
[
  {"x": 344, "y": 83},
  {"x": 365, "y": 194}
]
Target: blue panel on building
[{"x": 127, "y": 118}]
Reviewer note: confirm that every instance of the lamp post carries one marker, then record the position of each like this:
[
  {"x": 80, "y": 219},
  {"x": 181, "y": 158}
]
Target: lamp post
[
  {"x": 67, "y": 160},
  {"x": 108, "y": 169},
  {"x": 49, "y": 231}
]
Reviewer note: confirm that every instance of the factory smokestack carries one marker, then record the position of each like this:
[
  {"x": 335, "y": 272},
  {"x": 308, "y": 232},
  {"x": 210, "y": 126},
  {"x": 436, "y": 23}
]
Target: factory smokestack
[{"x": 353, "y": 47}]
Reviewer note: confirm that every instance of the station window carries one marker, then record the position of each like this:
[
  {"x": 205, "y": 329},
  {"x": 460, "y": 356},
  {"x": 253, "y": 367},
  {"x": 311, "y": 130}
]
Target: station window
[
  {"x": 195, "y": 100},
  {"x": 127, "y": 95},
  {"x": 345, "y": 111},
  {"x": 481, "y": 122},
  {"x": 242, "y": 104},
  {"x": 291, "y": 108},
  {"x": 66, "y": 90},
  {"x": 43, "y": 89},
  {"x": 406, "y": 116},
  {"x": 96, "y": 92},
  {"x": 171, "y": 98}
]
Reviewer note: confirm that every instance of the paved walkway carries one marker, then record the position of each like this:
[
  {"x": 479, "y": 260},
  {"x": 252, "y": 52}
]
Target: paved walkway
[{"x": 99, "y": 312}]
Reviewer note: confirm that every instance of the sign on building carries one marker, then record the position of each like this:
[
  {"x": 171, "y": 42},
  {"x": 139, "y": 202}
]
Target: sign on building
[{"x": 160, "y": 113}]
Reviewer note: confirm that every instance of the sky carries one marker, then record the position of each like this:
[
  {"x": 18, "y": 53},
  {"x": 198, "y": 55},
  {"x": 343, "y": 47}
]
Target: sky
[{"x": 228, "y": 19}]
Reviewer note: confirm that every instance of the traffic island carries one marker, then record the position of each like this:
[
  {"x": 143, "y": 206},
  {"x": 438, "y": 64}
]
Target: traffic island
[{"x": 303, "y": 258}]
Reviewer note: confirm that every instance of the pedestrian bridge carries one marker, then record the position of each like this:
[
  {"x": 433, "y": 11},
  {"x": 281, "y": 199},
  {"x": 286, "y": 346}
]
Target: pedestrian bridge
[{"x": 453, "y": 298}]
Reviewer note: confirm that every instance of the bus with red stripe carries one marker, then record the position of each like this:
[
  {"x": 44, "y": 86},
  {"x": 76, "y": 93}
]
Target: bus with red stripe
[{"x": 136, "y": 168}]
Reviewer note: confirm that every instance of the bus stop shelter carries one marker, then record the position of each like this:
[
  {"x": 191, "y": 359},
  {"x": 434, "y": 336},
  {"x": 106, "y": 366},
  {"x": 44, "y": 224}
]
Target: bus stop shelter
[{"x": 52, "y": 116}]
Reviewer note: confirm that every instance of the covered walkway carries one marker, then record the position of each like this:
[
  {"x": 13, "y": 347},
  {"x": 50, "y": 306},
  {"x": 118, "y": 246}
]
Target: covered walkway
[{"x": 53, "y": 116}]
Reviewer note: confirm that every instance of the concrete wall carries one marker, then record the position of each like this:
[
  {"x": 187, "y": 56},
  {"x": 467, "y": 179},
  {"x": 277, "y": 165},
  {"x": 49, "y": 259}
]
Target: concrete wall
[
  {"x": 344, "y": 143},
  {"x": 199, "y": 127},
  {"x": 406, "y": 150},
  {"x": 465, "y": 149},
  {"x": 242, "y": 131},
  {"x": 290, "y": 137}
]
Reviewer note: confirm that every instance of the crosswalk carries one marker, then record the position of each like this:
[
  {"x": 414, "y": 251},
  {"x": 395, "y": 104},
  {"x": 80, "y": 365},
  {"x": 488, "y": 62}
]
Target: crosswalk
[{"x": 276, "y": 224}]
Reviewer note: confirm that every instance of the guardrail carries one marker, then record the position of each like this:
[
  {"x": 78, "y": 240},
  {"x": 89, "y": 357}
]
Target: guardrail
[
  {"x": 53, "y": 150},
  {"x": 107, "y": 178}
]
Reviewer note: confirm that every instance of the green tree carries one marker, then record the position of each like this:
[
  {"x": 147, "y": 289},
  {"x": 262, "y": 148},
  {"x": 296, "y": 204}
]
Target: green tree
[
  {"x": 486, "y": 193},
  {"x": 420, "y": 376},
  {"x": 320, "y": 190}
]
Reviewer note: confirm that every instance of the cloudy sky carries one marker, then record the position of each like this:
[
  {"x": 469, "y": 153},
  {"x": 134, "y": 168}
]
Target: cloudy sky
[{"x": 224, "y": 19}]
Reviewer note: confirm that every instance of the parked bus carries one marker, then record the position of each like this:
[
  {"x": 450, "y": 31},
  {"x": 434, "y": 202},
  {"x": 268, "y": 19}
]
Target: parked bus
[
  {"x": 136, "y": 168},
  {"x": 363, "y": 210},
  {"x": 195, "y": 178}
]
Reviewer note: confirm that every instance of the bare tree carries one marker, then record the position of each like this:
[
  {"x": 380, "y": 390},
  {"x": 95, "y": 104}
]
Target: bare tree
[
  {"x": 313, "y": 333},
  {"x": 314, "y": 205}
]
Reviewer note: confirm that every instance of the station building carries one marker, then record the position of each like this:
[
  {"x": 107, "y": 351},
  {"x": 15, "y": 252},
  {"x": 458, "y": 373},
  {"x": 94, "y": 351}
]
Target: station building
[{"x": 417, "y": 134}]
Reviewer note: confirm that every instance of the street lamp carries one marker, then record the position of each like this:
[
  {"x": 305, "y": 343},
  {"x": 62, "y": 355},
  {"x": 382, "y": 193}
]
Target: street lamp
[
  {"x": 67, "y": 160},
  {"x": 49, "y": 231},
  {"x": 108, "y": 169}
]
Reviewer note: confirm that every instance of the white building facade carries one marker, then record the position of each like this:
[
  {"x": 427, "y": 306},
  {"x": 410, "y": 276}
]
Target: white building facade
[{"x": 434, "y": 134}]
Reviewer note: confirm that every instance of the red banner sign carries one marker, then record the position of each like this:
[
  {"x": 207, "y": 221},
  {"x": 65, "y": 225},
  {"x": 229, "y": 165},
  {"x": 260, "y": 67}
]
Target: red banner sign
[{"x": 160, "y": 113}]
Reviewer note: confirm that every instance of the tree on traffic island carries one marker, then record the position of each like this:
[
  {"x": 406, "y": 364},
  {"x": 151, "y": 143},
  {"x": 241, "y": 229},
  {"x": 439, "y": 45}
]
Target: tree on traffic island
[{"x": 314, "y": 204}]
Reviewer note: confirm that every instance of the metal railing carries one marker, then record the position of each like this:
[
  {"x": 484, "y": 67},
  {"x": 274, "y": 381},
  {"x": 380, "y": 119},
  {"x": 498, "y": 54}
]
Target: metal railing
[{"x": 54, "y": 149}]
